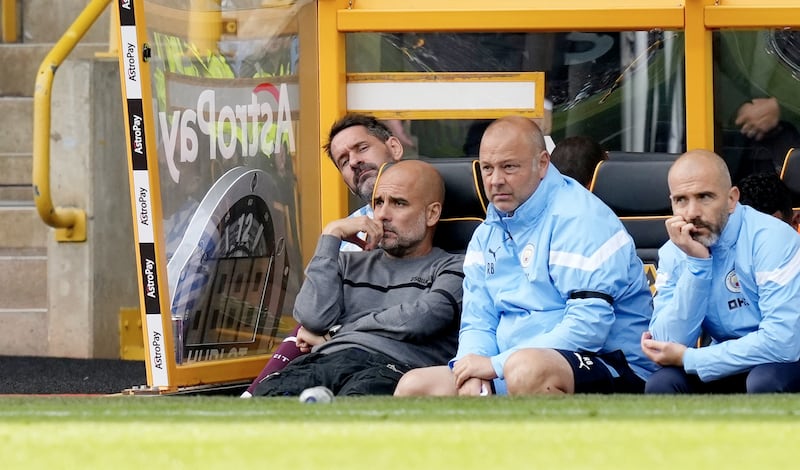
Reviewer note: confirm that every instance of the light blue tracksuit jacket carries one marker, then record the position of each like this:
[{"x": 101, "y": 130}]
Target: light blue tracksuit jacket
[
  {"x": 522, "y": 269},
  {"x": 746, "y": 296}
]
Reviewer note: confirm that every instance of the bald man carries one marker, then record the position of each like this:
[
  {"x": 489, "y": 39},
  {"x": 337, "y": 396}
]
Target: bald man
[
  {"x": 732, "y": 273},
  {"x": 396, "y": 305},
  {"x": 555, "y": 298}
]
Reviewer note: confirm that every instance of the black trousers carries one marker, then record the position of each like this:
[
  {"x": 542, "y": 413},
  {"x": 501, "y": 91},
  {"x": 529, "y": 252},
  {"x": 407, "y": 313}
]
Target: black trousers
[
  {"x": 350, "y": 371},
  {"x": 765, "y": 378}
]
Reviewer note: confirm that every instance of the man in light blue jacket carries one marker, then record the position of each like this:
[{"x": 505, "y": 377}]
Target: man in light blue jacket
[
  {"x": 555, "y": 298},
  {"x": 730, "y": 272}
]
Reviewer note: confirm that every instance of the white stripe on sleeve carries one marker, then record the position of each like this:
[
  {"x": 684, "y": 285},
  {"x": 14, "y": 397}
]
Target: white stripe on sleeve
[{"x": 591, "y": 263}]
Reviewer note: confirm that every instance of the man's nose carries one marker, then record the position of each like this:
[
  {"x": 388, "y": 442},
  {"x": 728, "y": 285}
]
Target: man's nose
[
  {"x": 355, "y": 159},
  {"x": 495, "y": 179},
  {"x": 693, "y": 209},
  {"x": 382, "y": 214}
]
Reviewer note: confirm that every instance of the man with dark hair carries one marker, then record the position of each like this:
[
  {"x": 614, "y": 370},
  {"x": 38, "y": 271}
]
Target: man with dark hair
[
  {"x": 577, "y": 157},
  {"x": 731, "y": 272},
  {"x": 767, "y": 193},
  {"x": 395, "y": 306},
  {"x": 358, "y": 144}
]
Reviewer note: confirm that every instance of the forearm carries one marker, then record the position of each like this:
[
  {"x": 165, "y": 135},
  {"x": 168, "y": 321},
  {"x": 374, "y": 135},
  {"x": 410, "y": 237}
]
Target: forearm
[
  {"x": 737, "y": 356},
  {"x": 479, "y": 319},
  {"x": 318, "y": 305},
  {"x": 425, "y": 313},
  {"x": 412, "y": 321},
  {"x": 679, "y": 307},
  {"x": 773, "y": 340}
]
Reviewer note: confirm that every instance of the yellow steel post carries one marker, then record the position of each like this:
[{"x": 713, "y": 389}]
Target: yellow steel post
[
  {"x": 332, "y": 103},
  {"x": 699, "y": 82},
  {"x": 113, "y": 38},
  {"x": 9, "y": 24},
  {"x": 205, "y": 24}
]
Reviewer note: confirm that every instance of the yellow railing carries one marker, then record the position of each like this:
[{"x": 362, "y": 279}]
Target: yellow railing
[
  {"x": 9, "y": 25},
  {"x": 70, "y": 223}
]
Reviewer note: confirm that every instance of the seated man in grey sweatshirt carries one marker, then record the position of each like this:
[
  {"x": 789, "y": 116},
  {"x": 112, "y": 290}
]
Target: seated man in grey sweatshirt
[{"x": 395, "y": 306}]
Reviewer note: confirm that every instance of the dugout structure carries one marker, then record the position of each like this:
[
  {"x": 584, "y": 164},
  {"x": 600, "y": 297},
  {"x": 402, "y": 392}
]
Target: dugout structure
[
  {"x": 228, "y": 106},
  {"x": 217, "y": 116}
]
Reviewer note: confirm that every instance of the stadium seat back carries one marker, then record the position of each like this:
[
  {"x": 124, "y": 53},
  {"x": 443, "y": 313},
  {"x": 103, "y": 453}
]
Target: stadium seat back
[
  {"x": 637, "y": 191},
  {"x": 790, "y": 174},
  {"x": 618, "y": 155},
  {"x": 464, "y": 202}
]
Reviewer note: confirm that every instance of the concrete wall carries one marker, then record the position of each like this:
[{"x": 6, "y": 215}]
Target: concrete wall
[{"x": 90, "y": 282}]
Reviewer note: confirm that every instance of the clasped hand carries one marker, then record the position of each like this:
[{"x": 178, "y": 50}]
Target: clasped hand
[
  {"x": 348, "y": 229},
  {"x": 473, "y": 374},
  {"x": 663, "y": 353},
  {"x": 680, "y": 233}
]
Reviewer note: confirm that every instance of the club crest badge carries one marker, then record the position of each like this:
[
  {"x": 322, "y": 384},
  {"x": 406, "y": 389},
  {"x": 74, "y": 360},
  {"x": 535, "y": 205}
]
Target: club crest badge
[
  {"x": 527, "y": 255},
  {"x": 732, "y": 282}
]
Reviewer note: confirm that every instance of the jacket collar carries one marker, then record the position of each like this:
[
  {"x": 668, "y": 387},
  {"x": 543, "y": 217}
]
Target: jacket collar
[
  {"x": 731, "y": 231},
  {"x": 532, "y": 208}
]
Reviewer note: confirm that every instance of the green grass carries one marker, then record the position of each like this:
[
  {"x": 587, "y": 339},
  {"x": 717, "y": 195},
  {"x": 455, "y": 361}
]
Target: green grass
[{"x": 383, "y": 433}]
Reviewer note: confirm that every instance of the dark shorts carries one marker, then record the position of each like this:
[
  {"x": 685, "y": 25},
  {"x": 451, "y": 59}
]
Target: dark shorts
[
  {"x": 350, "y": 371},
  {"x": 593, "y": 373}
]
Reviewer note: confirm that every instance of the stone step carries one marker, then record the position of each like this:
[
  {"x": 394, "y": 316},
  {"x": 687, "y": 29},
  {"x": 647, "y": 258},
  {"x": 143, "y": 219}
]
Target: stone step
[
  {"x": 15, "y": 169},
  {"x": 16, "y": 179},
  {"x": 16, "y": 125},
  {"x": 23, "y": 332},
  {"x": 20, "y": 79},
  {"x": 23, "y": 282},
  {"x": 45, "y": 21},
  {"x": 21, "y": 227},
  {"x": 16, "y": 195}
]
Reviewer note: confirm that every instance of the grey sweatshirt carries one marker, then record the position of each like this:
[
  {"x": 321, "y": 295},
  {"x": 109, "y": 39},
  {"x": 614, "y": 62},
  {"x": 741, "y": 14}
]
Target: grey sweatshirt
[{"x": 408, "y": 309}]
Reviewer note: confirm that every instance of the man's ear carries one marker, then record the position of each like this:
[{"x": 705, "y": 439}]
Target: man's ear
[
  {"x": 796, "y": 220},
  {"x": 733, "y": 198},
  {"x": 432, "y": 213},
  {"x": 395, "y": 147},
  {"x": 543, "y": 161}
]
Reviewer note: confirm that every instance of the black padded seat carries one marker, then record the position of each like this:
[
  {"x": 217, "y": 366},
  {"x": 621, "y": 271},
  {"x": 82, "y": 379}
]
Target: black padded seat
[
  {"x": 619, "y": 155},
  {"x": 464, "y": 202},
  {"x": 637, "y": 192},
  {"x": 790, "y": 174}
]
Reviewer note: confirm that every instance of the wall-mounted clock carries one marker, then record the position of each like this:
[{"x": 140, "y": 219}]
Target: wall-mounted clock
[{"x": 227, "y": 278}]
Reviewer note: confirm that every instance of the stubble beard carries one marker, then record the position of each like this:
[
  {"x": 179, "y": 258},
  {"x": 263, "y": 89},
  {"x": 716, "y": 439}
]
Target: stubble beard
[
  {"x": 715, "y": 230},
  {"x": 401, "y": 245}
]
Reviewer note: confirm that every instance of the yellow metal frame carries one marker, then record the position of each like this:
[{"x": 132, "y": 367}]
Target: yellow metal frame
[
  {"x": 697, "y": 18},
  {"x": 70, "y": 223},
  {"x": 751, "y": 14},
  {"x": 508, "y": 15},
  {"x": 155, "y": 201},
  {"x": 223, "y": 370},
  {"x": 9, "y": 24}
]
